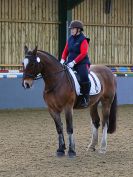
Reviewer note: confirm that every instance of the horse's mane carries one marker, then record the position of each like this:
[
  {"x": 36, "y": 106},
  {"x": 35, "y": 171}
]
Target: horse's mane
[{"x": 54, "y": 58}]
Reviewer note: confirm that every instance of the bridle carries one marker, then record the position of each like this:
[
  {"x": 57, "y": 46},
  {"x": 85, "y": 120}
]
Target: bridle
[
  {"x": 44, "y": 75},
  {"x": 40, "y": 76},
  {"x": 31, "y": 57},
  {"x": 52, "y": 74}
]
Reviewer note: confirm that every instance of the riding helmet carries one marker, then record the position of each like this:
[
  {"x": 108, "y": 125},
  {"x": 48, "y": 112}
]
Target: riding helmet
[{"x": 76, "y": 24}]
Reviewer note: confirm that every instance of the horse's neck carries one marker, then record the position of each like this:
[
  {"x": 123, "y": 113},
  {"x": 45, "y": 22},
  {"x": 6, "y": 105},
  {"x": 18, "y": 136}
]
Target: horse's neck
[
  {"x": 51, "y": 66},
  {"x": 51, "y": 71}
]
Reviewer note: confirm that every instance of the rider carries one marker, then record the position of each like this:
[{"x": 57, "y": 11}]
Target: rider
[{"x": 76, "y": 50}]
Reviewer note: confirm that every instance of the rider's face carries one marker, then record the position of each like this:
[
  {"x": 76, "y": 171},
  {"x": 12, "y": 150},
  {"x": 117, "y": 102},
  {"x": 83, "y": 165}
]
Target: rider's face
[{"x": 73, "y": 31}]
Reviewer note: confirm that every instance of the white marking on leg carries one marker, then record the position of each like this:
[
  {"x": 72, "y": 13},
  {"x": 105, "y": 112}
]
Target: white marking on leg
[
  {"x": 104, "y": 140},
  {"x": 94, "y": 140}
]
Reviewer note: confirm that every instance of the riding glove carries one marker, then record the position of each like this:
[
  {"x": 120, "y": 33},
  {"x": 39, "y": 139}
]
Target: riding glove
[
  {"x": 62, "y": 61},
  {"x": 71, "y": 64}
]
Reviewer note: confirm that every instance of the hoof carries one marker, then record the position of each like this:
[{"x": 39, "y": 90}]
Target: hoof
[
  {"x": 60, "y": 153},
  {"x": 71, "y": 153},
  {"x": 102, "y": 151},
  {"x": 91, "y": 148}
]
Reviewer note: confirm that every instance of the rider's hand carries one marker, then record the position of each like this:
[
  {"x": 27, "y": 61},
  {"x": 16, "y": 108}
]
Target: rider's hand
[
  {"x": 71, "y": 64},
  {"x": 62, "y": 61}
]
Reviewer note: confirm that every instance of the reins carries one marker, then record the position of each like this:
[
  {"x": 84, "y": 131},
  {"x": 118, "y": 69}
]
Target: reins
[
  {"x": 51, "y": 74},
  {"x": 65, "y": 68}
]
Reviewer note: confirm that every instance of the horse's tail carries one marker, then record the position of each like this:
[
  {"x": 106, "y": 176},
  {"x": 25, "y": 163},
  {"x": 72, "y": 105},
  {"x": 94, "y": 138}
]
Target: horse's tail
[{"x": 112, "y": 116}]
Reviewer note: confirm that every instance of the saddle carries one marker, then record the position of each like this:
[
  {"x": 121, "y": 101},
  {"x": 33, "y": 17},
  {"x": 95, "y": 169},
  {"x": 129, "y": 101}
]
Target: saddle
[
  {"x": 95, "y": 82},
  {"x": 95, "y": 85},
  {"x": 82, "y": 100}
]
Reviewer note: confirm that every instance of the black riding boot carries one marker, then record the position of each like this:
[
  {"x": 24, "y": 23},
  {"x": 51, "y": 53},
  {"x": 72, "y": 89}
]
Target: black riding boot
[{"x": 85, "y": 90}]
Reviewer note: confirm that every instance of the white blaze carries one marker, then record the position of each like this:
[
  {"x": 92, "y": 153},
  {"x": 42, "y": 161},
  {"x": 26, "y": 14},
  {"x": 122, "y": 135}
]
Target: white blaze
[{"x": 26, "y": 61}]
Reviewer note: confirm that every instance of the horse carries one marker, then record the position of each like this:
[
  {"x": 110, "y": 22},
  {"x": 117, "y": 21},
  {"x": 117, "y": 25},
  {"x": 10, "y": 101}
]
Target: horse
[{"x": 59, "y": 94}]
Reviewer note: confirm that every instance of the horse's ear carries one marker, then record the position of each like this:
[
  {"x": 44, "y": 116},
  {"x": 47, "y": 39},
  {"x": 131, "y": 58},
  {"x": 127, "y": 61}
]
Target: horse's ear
[
  {"x": 35, "y": 50},
  {"x": 25, "y": 49}
]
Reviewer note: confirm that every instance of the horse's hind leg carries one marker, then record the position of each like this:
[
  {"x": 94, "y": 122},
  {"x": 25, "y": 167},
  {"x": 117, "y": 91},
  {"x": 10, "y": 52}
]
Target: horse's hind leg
[
  {"x": 95, "y": 125},
  {"x": 59, "y": 128},
  {"x": 69, "y": 127},
  {"x": 106, "y": 105}
]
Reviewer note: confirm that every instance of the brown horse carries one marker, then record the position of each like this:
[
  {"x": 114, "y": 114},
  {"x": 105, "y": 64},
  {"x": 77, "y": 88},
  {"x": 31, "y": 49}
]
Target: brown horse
[{"x": 60, "y": 95}]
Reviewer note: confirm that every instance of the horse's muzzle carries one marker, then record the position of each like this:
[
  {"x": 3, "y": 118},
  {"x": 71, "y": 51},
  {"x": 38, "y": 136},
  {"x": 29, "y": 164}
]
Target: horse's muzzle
[{"x": 27, "y": 84}]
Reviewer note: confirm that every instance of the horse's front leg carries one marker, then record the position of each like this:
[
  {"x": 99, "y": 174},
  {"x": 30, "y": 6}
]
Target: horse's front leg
[
  {"x": 59, "y": 127},
  {"x": 69, "y": 127}
]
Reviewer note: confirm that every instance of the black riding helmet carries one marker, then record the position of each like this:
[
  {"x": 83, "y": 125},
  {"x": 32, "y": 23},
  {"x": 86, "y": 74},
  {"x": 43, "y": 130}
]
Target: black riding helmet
[{"x": 76, "y": 24}]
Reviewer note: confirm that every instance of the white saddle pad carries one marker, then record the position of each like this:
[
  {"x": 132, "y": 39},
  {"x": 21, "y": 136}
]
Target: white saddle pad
[{"x": 95, "y": 83}]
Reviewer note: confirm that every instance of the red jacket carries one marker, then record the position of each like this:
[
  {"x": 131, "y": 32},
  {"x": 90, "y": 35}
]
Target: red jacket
[{"x": 83, "y": 51}]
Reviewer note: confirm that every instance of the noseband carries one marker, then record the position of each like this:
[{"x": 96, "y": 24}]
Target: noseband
[{"x": 39, "y": 76}]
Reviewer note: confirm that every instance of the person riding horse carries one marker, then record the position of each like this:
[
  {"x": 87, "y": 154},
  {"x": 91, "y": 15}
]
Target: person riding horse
[
  {"x": 40, "y": 62},
  {"x": 76, "y": 49}
]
